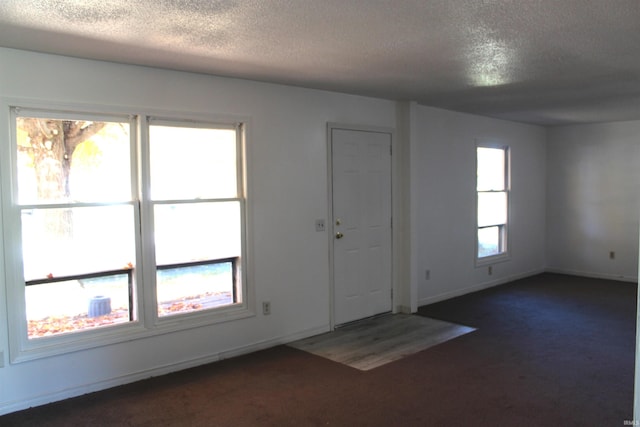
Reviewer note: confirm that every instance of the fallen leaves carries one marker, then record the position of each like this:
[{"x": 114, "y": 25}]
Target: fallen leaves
[{"x": 53, "y": 325}]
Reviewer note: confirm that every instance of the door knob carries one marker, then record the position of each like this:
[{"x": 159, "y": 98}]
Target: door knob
[{"x": 339, "y": 235}]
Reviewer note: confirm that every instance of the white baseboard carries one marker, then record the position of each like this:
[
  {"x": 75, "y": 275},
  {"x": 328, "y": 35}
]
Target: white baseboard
[
  {"x": 459, "y": 292},
  {"x": 607, "y": 276},
  {"x": 474, "y": 288},
  {"x": 13, "y": 406},
  {"x": 404, "y": 309}
]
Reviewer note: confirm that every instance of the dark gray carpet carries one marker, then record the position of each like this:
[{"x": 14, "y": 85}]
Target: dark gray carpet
[{"x": 550, "y": 350}]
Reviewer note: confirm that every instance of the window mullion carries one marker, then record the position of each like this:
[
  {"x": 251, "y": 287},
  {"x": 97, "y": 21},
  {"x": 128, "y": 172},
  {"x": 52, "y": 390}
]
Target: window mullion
[{"x": 146, "y": 271}]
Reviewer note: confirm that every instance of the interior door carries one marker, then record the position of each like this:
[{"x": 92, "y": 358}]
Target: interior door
[{"x": 361, "y": 189}]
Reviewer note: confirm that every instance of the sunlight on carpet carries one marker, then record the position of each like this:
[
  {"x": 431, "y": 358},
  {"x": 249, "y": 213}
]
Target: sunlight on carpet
[{"x": 374, "y": 342}]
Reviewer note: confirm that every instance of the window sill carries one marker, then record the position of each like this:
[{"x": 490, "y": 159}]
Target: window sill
[
  {"x": 40, "y": 348},
  {"x": 180, "y": 322},
  {"x": 493, "y": 259}
]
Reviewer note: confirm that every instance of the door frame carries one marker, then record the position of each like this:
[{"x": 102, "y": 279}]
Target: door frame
[{"x": 331, "y": 222}]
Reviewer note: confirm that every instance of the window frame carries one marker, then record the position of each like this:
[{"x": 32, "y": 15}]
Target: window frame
[
  {"x": 146, "y": 322},
  {"x": 504, "y": 228},
  {"x": 202, "y": 317}
]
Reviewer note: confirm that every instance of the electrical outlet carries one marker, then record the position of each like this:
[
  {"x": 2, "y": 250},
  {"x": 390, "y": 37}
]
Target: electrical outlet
[
  {"x": 612, "y": 255},
  {"x": 320, "y": 225},
  {"x": 490, "y": 270},
  {"x": 266, "y": 308},
  {"x": 427, "y": 274}
]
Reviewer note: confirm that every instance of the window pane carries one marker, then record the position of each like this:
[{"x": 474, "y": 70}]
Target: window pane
[
  {"x": 192, "y": 163},
  {"x": 491, "y": 169},
  {"x": 194, "y": 288},
  {"x": 492, "y": 209},
  {"x": 197, "y": 232},
  {"x": 72, "y": 160},
  {"x": 69, "y": 241},
  {"x": 488, "y": 241},
  {"x": 77, "y": 305}
]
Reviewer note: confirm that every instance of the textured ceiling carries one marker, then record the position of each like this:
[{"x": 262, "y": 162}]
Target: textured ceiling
[{"x": 537, "y": 61}]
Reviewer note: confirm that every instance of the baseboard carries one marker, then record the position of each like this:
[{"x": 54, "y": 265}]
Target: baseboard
[
  {"x": 13, "y": 406},
  {"x": 593, "y": 275},
  {"x": 263, "y": 345},
  {"x": 479, "y": 287},
  {"x": 403, "y": 309}
]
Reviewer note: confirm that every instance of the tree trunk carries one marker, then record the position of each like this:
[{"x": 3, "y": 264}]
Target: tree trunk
[{"x": 52, "y": 143}]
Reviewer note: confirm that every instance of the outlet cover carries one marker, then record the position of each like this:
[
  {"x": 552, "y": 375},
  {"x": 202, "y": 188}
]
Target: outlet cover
[{"x": 266, "y": 308}]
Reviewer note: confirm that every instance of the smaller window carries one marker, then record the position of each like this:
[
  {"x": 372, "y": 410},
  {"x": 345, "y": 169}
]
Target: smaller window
[{"x": 492, "y": 201}]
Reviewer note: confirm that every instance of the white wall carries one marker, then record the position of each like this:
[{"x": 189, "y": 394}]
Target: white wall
[
  {"x": 593, "y": 199},
  {"x": 434, "y": 172},
  {"x": 288, "y": 187},
  {"x": 443, "y": 179}
]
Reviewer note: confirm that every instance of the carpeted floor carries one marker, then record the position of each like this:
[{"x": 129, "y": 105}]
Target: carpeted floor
[{"x": 550, "y": 350}]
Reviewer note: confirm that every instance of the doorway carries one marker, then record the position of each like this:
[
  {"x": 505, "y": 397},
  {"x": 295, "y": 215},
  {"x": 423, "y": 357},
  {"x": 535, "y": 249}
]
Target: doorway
[{"x": 360, "y": 162}]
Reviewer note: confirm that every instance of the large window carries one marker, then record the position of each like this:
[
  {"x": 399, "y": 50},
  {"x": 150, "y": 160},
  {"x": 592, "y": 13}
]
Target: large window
[
  {"x": 77, "y": 217},
  {"x": 97, "y": 200},
  {"x": 492, "y": 202},
  {"x": 197, "y": 211}
]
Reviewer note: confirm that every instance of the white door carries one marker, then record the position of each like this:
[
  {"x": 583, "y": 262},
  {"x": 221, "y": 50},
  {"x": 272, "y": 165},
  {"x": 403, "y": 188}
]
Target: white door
[{"x": 361, "y": 188}]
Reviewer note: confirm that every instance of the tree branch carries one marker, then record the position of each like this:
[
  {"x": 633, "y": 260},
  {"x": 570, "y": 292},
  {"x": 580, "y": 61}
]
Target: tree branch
[{"x": 77, "y": 132}]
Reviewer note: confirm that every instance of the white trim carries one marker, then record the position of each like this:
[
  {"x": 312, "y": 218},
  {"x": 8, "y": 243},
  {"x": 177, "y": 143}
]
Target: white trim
[
  {"x": 122, "y": 333},
  {"x": 490, "y": 260},
  {"x": 506, "y": 240},
  {"x": 146, "y": 323},
  {"x": 68, "y": 114},
  {"x": 486, "y": 285},
  {"x": 593, "y": 275},
  {"x": 21, "y": 347},
  {"x": 199, "y": 318},
  {"x": 51, "y": 105},
  {"x": 478, "y": 287},
  {"x": 190, "y": 123},
  {"x": 329, "y": 226},
  {"x": 404, "y": 309}
]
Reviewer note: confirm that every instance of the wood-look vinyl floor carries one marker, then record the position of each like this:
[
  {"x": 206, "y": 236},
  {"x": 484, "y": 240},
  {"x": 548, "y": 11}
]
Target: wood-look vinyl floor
[{"x": 373, "y": 342}]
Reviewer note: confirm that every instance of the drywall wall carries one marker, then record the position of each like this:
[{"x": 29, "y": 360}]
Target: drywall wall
[
  {"x": 287, "y": 178},
  {"x": 443, "y": 185},
  {"x": 593, "y": 199}
]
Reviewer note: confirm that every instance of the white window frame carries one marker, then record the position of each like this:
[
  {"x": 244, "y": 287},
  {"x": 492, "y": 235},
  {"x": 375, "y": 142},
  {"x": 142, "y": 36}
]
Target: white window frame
[
  {"x": 203, "y": 317},
  {"x": 146, "y": 323},
  {"x": 505, "y": 234}
]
